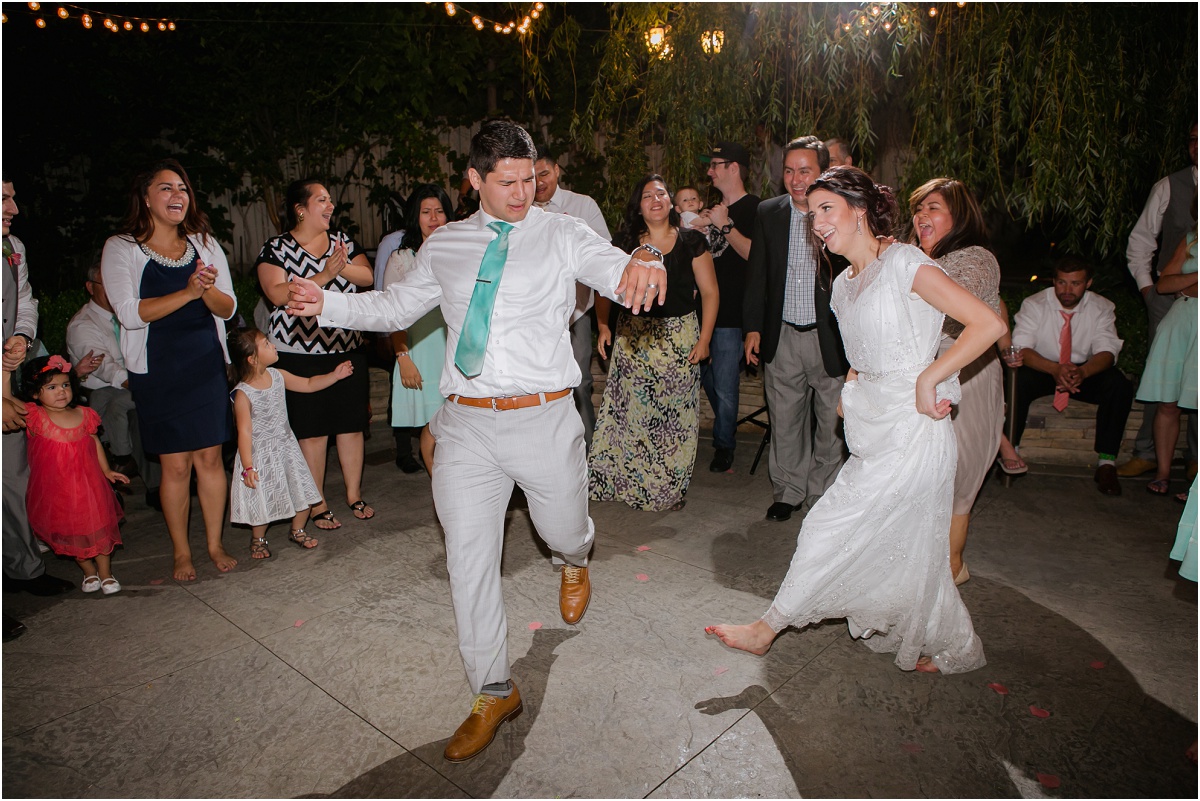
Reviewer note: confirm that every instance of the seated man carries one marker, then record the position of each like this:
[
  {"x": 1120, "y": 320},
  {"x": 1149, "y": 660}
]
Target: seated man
[
  {"x": 1069, "y": 346},
  {"x": 94, "y": 330}
]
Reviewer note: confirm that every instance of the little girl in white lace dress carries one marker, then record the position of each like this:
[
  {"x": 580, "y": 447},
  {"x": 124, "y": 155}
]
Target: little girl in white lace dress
[{"x": 271, "y": 479}]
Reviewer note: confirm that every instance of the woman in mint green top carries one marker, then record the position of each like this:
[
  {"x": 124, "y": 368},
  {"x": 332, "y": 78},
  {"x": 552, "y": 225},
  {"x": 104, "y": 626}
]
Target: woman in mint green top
[
  {"x": 1170, "y": 375},
  {"x": 421, "y": 350}
]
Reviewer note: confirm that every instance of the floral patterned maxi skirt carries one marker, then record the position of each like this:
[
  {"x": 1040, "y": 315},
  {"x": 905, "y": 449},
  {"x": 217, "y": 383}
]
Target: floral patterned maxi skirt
[{"x": 644, "y": 448}]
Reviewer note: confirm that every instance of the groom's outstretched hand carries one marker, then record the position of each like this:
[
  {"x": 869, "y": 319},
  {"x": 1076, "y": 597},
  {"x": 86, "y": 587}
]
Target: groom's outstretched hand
[{"x": 305, "y": 298}]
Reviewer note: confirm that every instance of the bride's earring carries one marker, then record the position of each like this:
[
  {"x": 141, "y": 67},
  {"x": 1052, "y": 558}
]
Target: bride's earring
[{"x": 858, "y": 230}]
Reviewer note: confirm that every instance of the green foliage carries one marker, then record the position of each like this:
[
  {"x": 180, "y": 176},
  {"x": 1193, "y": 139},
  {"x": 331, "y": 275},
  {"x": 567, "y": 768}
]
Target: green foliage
[
  {"x": 1062, "y": 116},
  {"x": 55, "y": 310}
]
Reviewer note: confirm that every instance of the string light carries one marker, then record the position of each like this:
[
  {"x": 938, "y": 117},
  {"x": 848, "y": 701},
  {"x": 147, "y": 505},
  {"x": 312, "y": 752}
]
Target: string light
[
  {"x": 479, "y": 22},
  {"x": 87, "y": 17},
  {"x": 885, "y": 18},
  {"x": 932, "y": 11}
]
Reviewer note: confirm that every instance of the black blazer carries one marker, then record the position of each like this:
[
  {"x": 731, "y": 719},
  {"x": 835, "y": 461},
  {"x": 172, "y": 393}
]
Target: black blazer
[{"x": 767, "y": 274}]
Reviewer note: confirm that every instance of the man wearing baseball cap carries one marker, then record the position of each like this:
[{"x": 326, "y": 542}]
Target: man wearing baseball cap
[{"x": 729, "y": 167}]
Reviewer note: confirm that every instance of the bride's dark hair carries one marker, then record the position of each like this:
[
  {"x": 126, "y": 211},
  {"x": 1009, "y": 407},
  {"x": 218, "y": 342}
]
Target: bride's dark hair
[{"x": 861, "y": 192}]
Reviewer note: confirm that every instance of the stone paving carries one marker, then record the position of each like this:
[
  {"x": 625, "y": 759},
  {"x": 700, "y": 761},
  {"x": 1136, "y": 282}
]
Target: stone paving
[{"x": 335, "y": 672}]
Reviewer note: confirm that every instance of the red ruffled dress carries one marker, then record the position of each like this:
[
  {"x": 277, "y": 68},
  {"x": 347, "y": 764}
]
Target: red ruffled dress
[{"x": 71, "y": 505}]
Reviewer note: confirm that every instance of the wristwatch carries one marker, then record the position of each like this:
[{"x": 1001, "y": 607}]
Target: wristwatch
[{"x": 727, "y": 228}]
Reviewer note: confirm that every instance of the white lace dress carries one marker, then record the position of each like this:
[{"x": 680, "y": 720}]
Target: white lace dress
[
  {"x": 285, "y": 482},
  {"x": 875, "y": 548}
]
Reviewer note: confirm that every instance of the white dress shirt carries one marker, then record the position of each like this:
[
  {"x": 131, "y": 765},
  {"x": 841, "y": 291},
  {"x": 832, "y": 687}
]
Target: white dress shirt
[
  {"x": 1038, "y": 325},
  {"x": 529, "y": 344},
  {"x": 92, "y": 329},
  {"x": 1143, "y": 239},
  {"x": 122, "y": 264},
  {"x": 564, "y": 201}
]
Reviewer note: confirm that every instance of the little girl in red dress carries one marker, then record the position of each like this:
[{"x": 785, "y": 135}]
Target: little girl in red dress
[{"x": 70, "y": 500}]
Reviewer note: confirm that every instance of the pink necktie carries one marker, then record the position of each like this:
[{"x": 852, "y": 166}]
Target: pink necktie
[{"x": 1064, "y": 357}]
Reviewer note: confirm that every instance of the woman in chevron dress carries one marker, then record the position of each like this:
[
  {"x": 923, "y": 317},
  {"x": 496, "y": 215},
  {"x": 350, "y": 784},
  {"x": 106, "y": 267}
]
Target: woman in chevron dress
[{"x": 310, "y": 249}]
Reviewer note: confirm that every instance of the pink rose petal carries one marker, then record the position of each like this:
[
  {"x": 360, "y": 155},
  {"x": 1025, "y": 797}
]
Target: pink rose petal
[
  {"x": 534, "y": 626},
  {"x": 642, "y": 577},
  {"x": 720, "y": 670},
  {"x": 157, "y": 581},
  {"x": 999, "y": 688},
  {"x": 1038, "y": 712},
  {"x": 298, "y": 624},
  {"x": 643, "y": 547},
  {"x": 1049, "y": 780},
  {"x": 1097, "y": 665},
  {"x": 912, "y": 748}
]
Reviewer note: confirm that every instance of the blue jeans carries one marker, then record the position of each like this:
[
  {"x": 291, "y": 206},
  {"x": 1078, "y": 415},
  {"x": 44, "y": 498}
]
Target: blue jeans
[{"x": 720, "y": 379}]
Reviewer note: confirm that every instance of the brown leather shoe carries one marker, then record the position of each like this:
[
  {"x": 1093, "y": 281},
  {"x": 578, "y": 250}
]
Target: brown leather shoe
[
  {"x": 575, "y": 592},
  {"x": 1136, "y": 467},
  {"x": 479, "y": 729},
  {"x": 1106, "y": 477}
]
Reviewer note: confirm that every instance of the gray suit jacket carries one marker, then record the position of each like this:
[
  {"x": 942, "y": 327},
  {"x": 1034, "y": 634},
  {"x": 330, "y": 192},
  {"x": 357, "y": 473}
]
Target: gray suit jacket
[{"x": 20, "y": 306}]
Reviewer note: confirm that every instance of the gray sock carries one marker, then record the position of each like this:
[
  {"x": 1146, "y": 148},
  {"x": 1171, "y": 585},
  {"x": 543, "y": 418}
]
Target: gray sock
[{"x": 500, "y": 689}]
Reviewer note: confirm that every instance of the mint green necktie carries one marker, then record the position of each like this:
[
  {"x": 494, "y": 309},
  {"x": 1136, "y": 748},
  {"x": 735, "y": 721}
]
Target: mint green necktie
[{"x": 472, "y": 342}]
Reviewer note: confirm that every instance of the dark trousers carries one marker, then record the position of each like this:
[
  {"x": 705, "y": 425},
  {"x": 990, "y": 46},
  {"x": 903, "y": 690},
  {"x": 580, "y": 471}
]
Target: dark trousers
[{"x": 1110, "y": 391}]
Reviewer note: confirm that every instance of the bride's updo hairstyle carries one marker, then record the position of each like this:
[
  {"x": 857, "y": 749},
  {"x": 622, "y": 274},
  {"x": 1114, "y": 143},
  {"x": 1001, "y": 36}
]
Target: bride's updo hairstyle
[{"x": 857, "y": 188}]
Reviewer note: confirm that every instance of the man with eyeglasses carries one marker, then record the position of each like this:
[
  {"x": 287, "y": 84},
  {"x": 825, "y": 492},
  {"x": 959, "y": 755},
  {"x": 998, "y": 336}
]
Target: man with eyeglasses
[{"x": 729, "y": 165}]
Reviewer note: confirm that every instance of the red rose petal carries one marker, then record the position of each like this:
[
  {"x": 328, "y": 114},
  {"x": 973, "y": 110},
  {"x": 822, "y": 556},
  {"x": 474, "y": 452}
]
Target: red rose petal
[
  {"x": 1097, "y": 665},
  {"x": 720, "y": 670},
  {"x": 642, "y": 577},
  {"x": 999, "y": 688},
  {"x": 643, "y": 547},
  {"x": 1049, "y": 780},
  {"x": 1038, "y": 712},
  {"x": 298, "y": 624},
  {"x": 912, "y": 748},
  {"x": 534, "y": 626},
  {"x": 157, "y": 581}
]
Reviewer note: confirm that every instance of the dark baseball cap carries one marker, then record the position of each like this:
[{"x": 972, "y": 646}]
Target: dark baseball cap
[{"x": 729, "y": 151}]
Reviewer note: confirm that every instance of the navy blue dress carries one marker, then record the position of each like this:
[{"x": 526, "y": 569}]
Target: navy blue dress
[{"x": 183, "y": 398}]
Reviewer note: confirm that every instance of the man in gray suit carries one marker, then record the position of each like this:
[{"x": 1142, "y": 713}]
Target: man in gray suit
[
  {"x": 23, "y": 566},
  {"x": 789, "y": 326}
]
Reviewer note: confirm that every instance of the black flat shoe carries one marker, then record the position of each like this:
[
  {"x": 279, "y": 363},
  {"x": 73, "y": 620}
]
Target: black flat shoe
[
  {"x": 407, "y": 463},
  {"x": 781, "y": 511},
  {"x": 722, "y": 462},
  {"x": 13, "y": 628},
  {"x": 44, "y": 585}
]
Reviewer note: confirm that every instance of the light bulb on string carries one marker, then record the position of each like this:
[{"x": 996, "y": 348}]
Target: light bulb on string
[
  {"x": 41, "y": 23},
  {"x": 128, "y": 25},
  {"x": 451, "y": 10},
  {"x": 170, "y": 26},
  {"x": 145, "y": 27},
  {"x": 62, "y": 13},
  {"x": 162, "y": 26},
  {"x": 87, "y": 21},
  {"x": 932, "y": 11},
  {"x": 34, "y": 6},
  {"x": 3, "y": 18}
]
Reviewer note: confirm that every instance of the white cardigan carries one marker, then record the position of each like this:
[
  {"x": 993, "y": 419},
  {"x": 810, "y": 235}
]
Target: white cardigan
[{"x": 121, "y": 266}]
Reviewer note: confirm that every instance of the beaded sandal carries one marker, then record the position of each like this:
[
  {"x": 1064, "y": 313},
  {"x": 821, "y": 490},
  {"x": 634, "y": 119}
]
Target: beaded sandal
[
  {"x": 301, "y": 538},
  {"x": 258, "y": 548}
]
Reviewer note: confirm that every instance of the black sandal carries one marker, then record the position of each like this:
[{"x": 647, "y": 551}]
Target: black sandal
[
  {"x": 358, "y": 508},
  {"x": 326, "y": 517}
]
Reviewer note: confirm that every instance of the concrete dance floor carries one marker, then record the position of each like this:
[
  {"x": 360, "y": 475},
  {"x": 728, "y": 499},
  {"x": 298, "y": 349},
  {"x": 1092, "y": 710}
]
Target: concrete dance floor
[{"x": 335, "y": 672}]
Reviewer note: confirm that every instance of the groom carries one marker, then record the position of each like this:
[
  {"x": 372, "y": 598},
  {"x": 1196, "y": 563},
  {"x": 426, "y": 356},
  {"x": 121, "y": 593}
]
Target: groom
[{"x": 505, "y": 279}]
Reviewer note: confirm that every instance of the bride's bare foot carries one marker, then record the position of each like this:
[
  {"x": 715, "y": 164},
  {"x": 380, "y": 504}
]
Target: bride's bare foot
[
  {"x": 222, "y": 560},
  {"x": 925, "y": 665},
  {"x": 184, "y": 569},
  {"x": 755, "y": 638}
]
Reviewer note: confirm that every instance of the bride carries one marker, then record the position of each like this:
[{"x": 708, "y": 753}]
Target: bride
[{"x": 874, "y": 549}]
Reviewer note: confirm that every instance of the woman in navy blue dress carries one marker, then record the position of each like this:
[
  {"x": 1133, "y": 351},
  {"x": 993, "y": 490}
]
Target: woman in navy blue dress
[{"x": 170, "y": 288}]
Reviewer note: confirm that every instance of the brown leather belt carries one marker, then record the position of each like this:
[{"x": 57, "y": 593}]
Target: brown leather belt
[{"x": 514, "y": 402}]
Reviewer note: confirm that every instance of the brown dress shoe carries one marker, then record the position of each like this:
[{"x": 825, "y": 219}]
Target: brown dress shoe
[
  {"x": 479, "y": 729},
  {"x": 1106, "y": 477},
  {"x": 575, "y": 592},
  {"x": 1136, "y": 467}
]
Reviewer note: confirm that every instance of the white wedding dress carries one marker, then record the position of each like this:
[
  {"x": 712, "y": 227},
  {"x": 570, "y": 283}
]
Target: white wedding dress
[{"x": 875, "y": 548}]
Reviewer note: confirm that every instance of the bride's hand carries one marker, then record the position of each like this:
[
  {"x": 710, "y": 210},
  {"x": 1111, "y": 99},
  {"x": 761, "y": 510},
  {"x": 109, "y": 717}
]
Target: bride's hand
[{"x": 927, "y": 402}]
